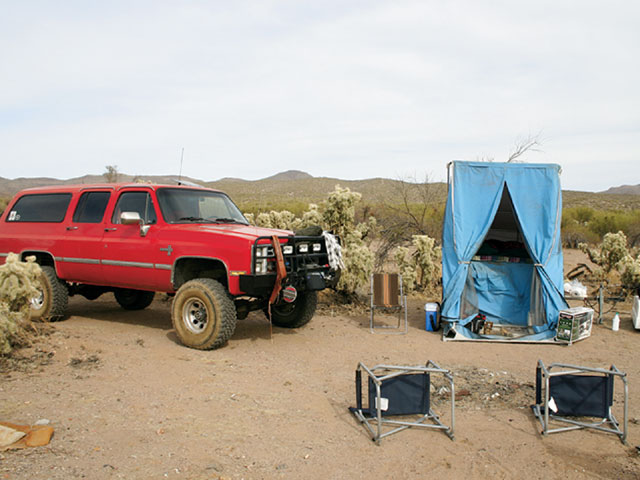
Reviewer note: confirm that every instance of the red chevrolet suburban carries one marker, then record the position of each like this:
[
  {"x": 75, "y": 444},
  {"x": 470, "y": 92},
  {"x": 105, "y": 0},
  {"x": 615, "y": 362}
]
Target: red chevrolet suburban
[{"x": 190, "y": 242}]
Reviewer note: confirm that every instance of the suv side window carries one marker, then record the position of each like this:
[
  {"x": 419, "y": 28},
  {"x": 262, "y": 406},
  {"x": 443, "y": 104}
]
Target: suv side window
[
  {"x": 91, "y": 207},
  {"x": 135, "y": 202},
  {"x": 46, "y": 207}
]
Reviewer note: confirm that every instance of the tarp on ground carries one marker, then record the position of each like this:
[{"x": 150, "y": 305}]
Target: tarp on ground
[{"x": 501, "y": 250}]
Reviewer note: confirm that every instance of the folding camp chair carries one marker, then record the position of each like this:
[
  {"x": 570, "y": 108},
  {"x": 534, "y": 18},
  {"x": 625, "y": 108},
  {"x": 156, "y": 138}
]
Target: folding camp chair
[
  {"x": 402, "y": 392},
  {"x": 387, "y": 295},
  {"x": 578, "y": 392}
]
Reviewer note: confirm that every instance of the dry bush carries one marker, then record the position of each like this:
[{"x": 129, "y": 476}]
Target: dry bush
[{"x": 18, "y": 281}]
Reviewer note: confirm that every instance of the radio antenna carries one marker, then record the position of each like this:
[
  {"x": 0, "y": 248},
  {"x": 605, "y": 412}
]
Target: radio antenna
[{"x": 181, "y": 159}]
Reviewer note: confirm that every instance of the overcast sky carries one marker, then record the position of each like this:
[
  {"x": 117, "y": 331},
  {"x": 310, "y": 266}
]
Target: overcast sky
[{"x": 347, "y": 89}]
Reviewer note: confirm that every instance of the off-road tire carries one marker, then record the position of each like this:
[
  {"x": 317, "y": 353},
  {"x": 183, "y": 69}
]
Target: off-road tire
[
  {"x": 130, "y": 299},
  {"x": 51, "y": 305},
  {"x": 203, "y": 314},
  {"x": 296, "y": 314}
]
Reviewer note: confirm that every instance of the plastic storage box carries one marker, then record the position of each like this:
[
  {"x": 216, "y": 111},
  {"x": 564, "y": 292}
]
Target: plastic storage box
[{"x": 574, "y": 324}]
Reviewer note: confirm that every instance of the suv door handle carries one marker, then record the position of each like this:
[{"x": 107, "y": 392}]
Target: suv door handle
[
  {"x": 72, "y": 228},
  {"x": 110, "y": 229}
]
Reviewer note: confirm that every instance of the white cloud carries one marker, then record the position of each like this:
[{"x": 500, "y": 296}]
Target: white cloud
[{"x": 344, "y": 89}]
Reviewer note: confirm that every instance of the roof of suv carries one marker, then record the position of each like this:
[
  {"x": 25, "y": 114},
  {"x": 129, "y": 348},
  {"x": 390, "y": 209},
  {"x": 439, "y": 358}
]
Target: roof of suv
[{"x": 109, "y": 186}]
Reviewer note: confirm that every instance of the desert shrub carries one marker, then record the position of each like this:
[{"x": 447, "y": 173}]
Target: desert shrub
[
  {"x": 4, "y": 201},
  {"x": 610, "y": 221},
  {"x": 574, "y": 233},
  {"x": 296, "y": 207},
  {"x": 18, "y": 282},
  {"x": 582, "y": 215}
]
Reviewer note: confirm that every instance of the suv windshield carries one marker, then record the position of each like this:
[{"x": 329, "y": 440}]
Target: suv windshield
[{"x": 180, "y": 205}]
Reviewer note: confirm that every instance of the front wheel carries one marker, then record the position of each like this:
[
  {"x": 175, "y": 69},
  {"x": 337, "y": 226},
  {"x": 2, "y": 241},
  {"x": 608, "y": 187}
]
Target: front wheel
[
  {"x": 296, "y": 314},
  {"x": 52, "y": 299},
  {"x": 130, "y": 299},
  {"x": 203, "y": 314}
]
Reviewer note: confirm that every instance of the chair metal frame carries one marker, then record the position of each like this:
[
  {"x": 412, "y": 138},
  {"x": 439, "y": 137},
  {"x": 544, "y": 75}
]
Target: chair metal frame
[
  {"x": 376, "y": 423},
  {"x": 392, "y": 300},
  {"x": 541, "y": 409}
]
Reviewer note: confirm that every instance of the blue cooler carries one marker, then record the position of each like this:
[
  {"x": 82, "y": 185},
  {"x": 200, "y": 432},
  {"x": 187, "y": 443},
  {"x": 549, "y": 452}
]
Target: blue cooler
[{"x": 432, "y": 314}]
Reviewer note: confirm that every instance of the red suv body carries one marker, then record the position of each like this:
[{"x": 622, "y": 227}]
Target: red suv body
[{"x": 191, "y": 242}]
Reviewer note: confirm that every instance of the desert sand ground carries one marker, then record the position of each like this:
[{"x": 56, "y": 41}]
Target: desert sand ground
[{"x": 128, "y": 401}]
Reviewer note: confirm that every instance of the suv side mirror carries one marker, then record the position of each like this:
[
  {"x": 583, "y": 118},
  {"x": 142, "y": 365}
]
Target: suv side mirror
[{"x": 131, "y": 218}]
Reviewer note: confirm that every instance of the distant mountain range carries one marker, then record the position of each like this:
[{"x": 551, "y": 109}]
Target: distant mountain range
[
  {"x": 298, "y": 186},
  {"x": 624, "y": 190}
]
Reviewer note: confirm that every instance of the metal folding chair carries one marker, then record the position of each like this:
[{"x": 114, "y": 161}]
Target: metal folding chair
[
  {"x": 569, "y": 393},
  {"x": 387, "y": 295},
  {"x": 399, "y": 391}
]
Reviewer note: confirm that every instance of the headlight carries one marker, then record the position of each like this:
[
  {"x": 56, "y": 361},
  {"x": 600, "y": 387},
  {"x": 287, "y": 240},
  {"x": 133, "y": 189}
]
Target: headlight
[
  {"x": 303, "y": 247},
  {"x": 287, "y": 249},
  {"x": 261, "y": 266},
  {"x": 317, "y": 247},
  {"x": 262, "y": 251}
]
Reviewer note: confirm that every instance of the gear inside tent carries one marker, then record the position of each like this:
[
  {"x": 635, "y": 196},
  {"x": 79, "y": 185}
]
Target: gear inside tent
[{"x": 502, "y": 266}]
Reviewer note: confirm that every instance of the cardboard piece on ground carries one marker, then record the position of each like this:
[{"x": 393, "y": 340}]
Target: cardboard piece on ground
[
  {"x": 34, "y": 436},
  {"x": 9, "y": 436}
]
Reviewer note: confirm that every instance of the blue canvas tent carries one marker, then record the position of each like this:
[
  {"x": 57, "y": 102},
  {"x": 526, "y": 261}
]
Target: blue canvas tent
[{"x": 501, "y": 252}]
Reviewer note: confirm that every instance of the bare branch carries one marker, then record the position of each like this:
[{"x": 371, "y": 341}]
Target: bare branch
[{"x": 530, "y": 144}]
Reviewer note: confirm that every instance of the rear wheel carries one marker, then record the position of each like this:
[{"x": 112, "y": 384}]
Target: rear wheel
[
  {"x": 296, "y": 314},
  {"x": 130, "y": 299},
  {"x": 52, "y": 299},
  {"x": 203, "y": 314}
]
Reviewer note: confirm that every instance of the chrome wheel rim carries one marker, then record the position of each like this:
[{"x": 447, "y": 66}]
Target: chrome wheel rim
[
  {"x": 195, "y": 316},
  {"x": 37, "y": 301}
]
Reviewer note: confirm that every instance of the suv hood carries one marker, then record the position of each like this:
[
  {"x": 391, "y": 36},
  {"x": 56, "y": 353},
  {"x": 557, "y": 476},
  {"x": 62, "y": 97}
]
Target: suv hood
[{"x": 247, "y": 232}]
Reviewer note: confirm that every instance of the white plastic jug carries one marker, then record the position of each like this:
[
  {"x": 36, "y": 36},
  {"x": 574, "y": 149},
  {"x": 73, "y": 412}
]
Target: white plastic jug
[{"x": 615, "y": 324}]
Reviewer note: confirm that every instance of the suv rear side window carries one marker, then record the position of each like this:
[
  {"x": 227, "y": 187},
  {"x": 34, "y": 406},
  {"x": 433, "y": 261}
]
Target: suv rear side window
[
  {"x": 135, "y": 202},
  {"x": 91, "y": 207},
  {"x": 45, "y": 207}
]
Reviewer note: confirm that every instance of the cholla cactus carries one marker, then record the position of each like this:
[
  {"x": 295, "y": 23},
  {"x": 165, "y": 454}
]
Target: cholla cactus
[
  {"x": 407, "y": 269},
  {"x": 420, "y": 270},
  {"x": 609, "y": 253},
  {"x": 263, "y": 220},
  {"x": 340, "y": 210},
  {"x": 282, "y": 220},
  {"x": 336, "y": 214},
  {"x": 630, "y": 273},
  {"x": 309, "y": 218},
  {"x": 251, "y": 218},
  {"x": 358, "y": 264},
  {"x": 427, "y": 259},
  {"x": 18, "y": 281}
]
